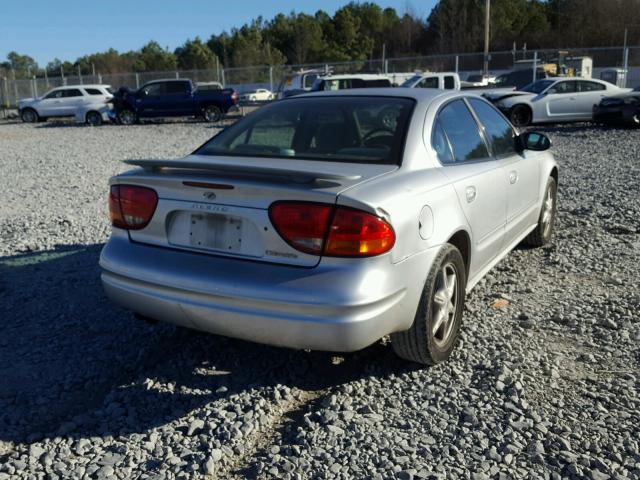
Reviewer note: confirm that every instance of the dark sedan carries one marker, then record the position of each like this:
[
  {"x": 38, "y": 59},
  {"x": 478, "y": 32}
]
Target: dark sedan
[{"x": 620, "y": 109}]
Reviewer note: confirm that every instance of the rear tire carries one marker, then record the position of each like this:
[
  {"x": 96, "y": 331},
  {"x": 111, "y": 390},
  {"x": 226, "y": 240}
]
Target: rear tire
[
  {"x": 546, "y": 221},
  {"x": 434, "y": 332},
  {"x": 29, "y": 115},
  {"x": 520, "y": 115},
  {"x": 212, "y": 114},
  {"x": 94, "y": 119}
]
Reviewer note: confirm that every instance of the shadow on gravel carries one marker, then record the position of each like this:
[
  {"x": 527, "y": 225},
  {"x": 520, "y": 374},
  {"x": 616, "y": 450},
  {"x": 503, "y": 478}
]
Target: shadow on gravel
[{"x": 73, "y": 364}]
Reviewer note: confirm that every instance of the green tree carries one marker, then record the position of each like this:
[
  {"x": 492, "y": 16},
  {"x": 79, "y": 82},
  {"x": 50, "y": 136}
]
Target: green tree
[
  {"x": 194, "y": 55},
  {"x": 152, "y": 57},
  {"x": 22, "y": 65}
]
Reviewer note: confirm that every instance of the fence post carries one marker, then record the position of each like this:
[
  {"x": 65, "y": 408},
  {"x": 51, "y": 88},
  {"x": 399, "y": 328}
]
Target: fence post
[
  {"x": 535, "y": 65},
  {"x": 386, "y": 66},
  {"x": 457, "y": 63},
  {"x": 626, "y": 65},
  {"x": 35, "y": 86},
  {"x": 137, "y": 81},
  {"x": 177, "y": 74},
  {"x": 271, "y": 78},
  {"x": 100, "y": 78},
  {"x": 224, "y": 83}
]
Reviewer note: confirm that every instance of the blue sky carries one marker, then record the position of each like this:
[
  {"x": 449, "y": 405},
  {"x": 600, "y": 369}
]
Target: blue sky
[{"x": 68, "y": 29}]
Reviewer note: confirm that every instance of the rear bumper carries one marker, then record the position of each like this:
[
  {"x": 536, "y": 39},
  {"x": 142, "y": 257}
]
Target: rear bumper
[{"x": 344, "y": 306}]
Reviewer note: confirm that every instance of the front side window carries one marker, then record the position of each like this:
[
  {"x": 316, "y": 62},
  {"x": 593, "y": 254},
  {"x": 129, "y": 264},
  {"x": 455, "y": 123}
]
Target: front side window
[
  {"x": 431, "y": 82},
  {"x": 538, "y": 86},
  {"x": 337, "y": 129},
  {"x": 462, "y": 131},
  {"x": 564, "y": 87},
  {"x": 72, "y": 92},
  {"x": 54, "y": 94},
  {"x": 154, "y": 89},
  {"x": 497, "y": 130}
]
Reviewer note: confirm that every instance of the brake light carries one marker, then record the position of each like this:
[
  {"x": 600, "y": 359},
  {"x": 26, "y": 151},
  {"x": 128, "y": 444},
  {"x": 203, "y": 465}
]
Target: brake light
[
  {"x": 355, "y": 233},
  {"x": 301, "y": 225},
  {"x": 234, "y": 96},
  {"x": 131, "y": 207},
  {"x": 352, "y": 233}
]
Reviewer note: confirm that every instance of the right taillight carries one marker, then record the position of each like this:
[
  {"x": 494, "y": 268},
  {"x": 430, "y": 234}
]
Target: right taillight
[
  {"x": 131, "y": 207},
  {"x": 351, "y": 233}
]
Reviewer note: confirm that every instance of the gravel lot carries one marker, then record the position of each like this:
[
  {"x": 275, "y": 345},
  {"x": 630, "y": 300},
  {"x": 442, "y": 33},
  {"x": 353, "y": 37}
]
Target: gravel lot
[{"x": 546, "y": 386}]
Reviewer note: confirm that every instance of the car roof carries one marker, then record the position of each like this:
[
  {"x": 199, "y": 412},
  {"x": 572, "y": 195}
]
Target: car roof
[
  {"x": 85, "y": 85},
  {"x": 363, "y": 76},
  {"x": 420, "y": 94}
]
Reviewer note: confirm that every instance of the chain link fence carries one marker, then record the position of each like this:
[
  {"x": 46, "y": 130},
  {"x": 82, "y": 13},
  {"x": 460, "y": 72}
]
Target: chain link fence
[{"x": 625, "y": 60}]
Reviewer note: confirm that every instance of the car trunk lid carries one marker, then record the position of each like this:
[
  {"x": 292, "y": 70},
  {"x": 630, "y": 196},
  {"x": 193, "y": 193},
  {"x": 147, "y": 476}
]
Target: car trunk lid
[{"x": 220, "y": 205}]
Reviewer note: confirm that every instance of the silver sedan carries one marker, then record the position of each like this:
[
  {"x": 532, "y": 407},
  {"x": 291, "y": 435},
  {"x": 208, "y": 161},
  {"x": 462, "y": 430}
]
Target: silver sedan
[{"x": 327, "y": 221}]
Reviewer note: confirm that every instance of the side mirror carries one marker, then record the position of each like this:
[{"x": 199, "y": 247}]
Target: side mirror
[{"x": 533, "y": 141}]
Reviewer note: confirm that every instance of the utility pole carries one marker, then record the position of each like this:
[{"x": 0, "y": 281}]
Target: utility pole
[{"x": 487, "y": 17}]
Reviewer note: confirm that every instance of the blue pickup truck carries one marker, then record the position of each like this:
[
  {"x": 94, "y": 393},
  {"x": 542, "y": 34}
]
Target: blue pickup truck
[{"x": 171, "y": 98}]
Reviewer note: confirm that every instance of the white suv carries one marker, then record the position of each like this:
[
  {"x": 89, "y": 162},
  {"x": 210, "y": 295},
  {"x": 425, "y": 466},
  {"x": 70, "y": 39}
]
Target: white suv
[{"x": 87, "y": 103}]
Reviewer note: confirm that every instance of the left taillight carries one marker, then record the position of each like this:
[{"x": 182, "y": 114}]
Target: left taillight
[{"x": 131, "y": 207}]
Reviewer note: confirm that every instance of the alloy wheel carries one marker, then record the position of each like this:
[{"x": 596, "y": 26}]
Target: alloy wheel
[
  {"x": 445, "y": 301},
  {"x": 547, "y": 212}
]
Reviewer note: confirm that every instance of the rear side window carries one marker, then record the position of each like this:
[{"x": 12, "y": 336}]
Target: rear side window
[
  {"x": 564, "y": 87},
  {"x": 462, "y": 131},
  {"x": 441, "y": 144},
  {"x": 378, "y": 83},
  {"x": 449, "y": 83},
  {"x": 497, "y": 130},
  {"x": 93, "y": 91},
  {"x": 358, "y": 129},
  {"x": 584, "y": 86},
  {"x": 55, "y": 94},
  {"x": 176, "y": 88},
  {"x": 72, "y": 92}
]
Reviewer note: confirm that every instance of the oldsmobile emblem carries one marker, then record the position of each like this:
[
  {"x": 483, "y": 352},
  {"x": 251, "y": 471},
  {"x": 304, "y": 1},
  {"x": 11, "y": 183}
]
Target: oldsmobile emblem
[{"x": 209, "y": 195}]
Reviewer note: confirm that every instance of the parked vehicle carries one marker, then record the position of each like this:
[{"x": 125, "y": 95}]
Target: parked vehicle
[
  {"x": 300, "y": 81},
  {"x": 619, "y": 109},
  {"x": 310, "y": 224},
  {"x": 258, "y": 95},
  {"x": 557, "y": 99},
  {"x": 84, "y": 102},
  {"x": 343, "y": 82},
  {"x": 209, "y": 86},
  {"x": 479, "y": 80},
  {"x": 171, "y": 98},
  {"x": 518, "y": 79},
  {"x": 442, "y": 80}
]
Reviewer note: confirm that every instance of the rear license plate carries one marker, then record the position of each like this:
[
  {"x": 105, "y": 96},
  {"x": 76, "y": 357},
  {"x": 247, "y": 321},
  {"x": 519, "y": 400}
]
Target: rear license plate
[{"x": 217, "y": 232}]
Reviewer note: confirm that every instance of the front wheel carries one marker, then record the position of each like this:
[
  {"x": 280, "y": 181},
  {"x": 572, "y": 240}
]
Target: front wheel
[
  {"x": 520, "y": 116},
  {"x": 434, "y": 332},
  {"x": 29, "y": 115},
  {"x": 212, "y": 114},
  {"x": 541, "y": 235},
  {"x": 127, "y": 117}
]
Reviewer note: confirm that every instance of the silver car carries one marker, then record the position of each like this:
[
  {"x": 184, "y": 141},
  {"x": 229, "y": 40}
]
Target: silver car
[{"x": 312, "y": 223}]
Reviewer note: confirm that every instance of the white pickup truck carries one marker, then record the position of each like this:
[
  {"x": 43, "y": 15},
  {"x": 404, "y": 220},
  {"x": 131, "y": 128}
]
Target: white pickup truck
[{"x": 441, "y": 80}]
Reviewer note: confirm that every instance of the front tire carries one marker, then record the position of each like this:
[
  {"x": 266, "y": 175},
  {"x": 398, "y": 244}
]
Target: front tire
[
  {"x": 212, "y": 114},
  {"x": 520, "y": 116},
  {"x": 547, "y": 219},
  {"x": 29, "y": 115},
  {"x": 434, "y": 332},
  {"x": 94, "y": 119},
  {"x": 127, "y": 117}
]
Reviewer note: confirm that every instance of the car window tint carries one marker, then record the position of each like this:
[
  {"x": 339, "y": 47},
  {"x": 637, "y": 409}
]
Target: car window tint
[
  {"x": 497, "y": 130},
  {"x": 440, "y": 144},
  {"x": 462, "y": 131},
  {"x": 584, "y": 86},
  {"x": 54, "y": 94},
  {"x": 378, "y": 83},
  {"x": 93, "y": 91},
  {"x": 431, "y": 82},
  {"x": 449, "y": 82},
  {"x": 71, "y": 92},
  {"x": 176, "y": 88}
]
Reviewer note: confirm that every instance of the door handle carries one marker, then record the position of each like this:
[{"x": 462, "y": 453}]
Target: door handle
[
  {"x": 470, "y": 193},
  {"x": 513, "y": 177}
]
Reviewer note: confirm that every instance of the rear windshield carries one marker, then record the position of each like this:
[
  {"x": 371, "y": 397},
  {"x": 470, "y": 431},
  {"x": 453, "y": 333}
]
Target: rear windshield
[{"x": 326, "y": 128}]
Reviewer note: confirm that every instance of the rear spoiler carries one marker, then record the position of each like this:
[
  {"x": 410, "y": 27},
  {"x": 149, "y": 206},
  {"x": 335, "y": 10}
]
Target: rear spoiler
[{"x": 296, "y": 175}]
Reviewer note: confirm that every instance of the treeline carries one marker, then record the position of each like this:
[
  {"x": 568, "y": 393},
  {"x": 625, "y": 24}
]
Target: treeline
[{"x": 361, "y": 31}]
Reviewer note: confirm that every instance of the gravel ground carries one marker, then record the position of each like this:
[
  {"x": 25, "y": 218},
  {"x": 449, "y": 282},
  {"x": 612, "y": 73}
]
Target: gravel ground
[{"x": 544, "y": 384}]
